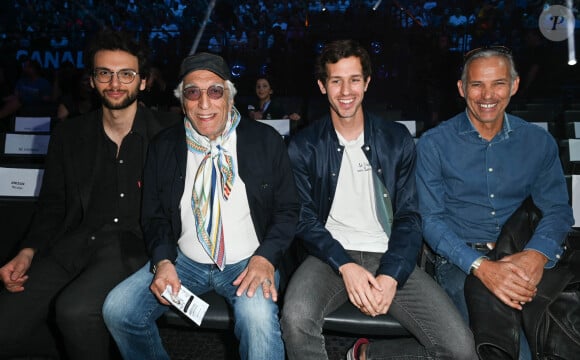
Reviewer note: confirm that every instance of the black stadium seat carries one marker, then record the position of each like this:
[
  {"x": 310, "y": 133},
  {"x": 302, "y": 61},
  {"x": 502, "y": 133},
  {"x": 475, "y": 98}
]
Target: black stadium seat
[{"x": 345, "y": 320}]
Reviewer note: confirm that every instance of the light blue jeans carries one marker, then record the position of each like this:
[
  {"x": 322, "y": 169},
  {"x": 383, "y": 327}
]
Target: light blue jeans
[
  {"x": 452, "y": 280},
  {"x": 131, "y": 309}
]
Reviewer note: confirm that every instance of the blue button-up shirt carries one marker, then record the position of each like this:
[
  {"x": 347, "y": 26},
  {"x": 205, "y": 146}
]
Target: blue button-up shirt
[{"x": 468, "y": 187}]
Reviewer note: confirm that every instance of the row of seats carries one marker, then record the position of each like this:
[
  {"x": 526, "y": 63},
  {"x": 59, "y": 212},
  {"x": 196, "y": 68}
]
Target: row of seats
[
  {"x": 17, "y": 208},
  {"x": 22, "y": 153},
  {"x": 562, "y": 121},
  {"x": 17, "y": 211},
  {"x": 21, "y": 173}
]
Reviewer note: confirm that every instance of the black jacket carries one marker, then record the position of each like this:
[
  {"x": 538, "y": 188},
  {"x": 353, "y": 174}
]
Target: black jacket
[
  {"x": 58, "y": 225},
  {"x": 265, "y": 169}
]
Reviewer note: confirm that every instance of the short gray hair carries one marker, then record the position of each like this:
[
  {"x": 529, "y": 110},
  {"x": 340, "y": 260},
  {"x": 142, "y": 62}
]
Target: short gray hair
[{"x": 488, "y": 53}]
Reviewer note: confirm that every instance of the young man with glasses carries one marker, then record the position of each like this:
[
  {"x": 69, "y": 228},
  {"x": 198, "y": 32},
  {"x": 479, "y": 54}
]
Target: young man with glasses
[
  {"x": 85, "y": 237},
  {"x": 473, "y": 172},
  {"x": 219, "y": 210}
]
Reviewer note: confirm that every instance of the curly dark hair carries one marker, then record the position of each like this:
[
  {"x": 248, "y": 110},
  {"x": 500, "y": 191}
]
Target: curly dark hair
[
  {"x": 340, "y": 49},
  {"x": 118, "y": 40}
]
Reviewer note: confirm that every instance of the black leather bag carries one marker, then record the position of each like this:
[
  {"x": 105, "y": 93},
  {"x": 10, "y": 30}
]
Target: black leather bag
[{"x": 551, "y": 322}]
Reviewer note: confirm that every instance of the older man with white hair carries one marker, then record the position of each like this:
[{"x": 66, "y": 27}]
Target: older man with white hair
[{"x": 219, "y": 210}]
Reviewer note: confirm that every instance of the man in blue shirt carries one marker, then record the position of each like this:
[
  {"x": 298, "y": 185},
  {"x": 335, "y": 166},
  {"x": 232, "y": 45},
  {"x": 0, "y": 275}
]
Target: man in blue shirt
[{"x": 474, "y": 171}]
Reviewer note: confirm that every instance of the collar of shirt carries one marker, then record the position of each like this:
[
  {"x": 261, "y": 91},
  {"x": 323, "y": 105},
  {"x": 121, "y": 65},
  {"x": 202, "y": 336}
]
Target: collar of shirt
[
  {"x": 139, "y": 125},
  {"x": 465, "y": 127}
]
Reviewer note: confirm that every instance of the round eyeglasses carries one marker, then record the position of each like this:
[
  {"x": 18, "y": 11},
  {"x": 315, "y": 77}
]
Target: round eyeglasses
[
  {"x": 125, "y": 76},
  {"x": 214, "y": 92}
]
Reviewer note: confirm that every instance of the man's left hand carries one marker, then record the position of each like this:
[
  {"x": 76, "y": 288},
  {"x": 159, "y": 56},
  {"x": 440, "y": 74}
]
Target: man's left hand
[
  {"x": 531, "y": 261},
  {"x": 383, "y": 295},
  {"x": 258, "y": 272}
]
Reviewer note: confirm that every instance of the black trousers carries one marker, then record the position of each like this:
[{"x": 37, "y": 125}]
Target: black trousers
[
  {"x": 496, "y": 326},
  {"x": 61, "y": 307}
]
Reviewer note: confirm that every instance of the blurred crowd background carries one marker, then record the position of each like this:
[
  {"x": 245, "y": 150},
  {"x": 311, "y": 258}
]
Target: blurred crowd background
[{"x": 416, "y": 45}]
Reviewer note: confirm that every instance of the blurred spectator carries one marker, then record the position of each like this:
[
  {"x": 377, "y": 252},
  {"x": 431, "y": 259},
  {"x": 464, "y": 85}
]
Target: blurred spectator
[
  {"x": 80, "y": 101},
  {"x": 281, "y": 24},
  {"x": 132, "y": 8},
  {"x": 267, "y": 107},
  {"x": 238, "y": 39},
  {"x": 442, "y": 71},
  {"x": 533, "y": 63},
  {"x": 429, "y": 5},
  {"x": 157, "y": 94},
  {"x": 343, "y": 5},
  {"x": 59, "y": 41},
  {"x": 34, "y": 92},
  {"x": 281, "y": 33},
  {"x": 485, "y": 25},
  {"x": 65, "y": 80},
  {"x": 157, "y": 34},
  {"x": 170, "y": 27},
  {"x": 8, "y": 101},
  {"x": 177, "y": 9},
  {"x": 457, "y": 18},
  {"x": 218, "y": 40}
]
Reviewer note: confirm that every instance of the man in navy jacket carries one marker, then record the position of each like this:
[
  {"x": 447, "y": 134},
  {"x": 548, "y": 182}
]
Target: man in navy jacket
[{"x": 355, "y": 175}]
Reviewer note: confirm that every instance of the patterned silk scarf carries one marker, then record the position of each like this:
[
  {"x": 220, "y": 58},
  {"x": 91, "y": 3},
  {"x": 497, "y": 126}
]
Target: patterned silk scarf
[{"x": 205, "y": 199}]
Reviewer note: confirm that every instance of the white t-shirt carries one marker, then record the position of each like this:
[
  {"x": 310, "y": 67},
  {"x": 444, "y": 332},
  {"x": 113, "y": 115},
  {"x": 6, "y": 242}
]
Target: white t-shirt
[
  {"x": 240, "y": 236},
  {"x": 353, "y": 220}
]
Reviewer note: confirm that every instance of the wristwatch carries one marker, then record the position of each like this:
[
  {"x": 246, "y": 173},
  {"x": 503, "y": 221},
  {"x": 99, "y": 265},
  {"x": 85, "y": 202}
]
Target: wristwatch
[{"x": 475, "y": 265}]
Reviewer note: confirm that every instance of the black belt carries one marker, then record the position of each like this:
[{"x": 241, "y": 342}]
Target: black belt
[{"x": 482, "y": 246}]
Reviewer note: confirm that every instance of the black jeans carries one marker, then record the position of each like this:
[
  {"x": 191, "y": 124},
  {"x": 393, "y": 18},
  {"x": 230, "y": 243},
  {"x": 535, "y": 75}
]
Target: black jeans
[{"x": 63, "y": 306}]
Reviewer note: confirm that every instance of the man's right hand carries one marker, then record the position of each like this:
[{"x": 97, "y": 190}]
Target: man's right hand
[
  {"x": 506, "y": 281},
  {"x": 165, "y": 275},
  {"x": 13, "y": 274},
  {"x": 359, "y": 283}
]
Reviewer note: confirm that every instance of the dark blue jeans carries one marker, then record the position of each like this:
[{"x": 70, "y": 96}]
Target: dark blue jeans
[{"x": 421, "y": 306}]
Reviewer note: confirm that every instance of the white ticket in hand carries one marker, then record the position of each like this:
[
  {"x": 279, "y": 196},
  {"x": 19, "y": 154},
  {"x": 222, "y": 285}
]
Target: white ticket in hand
[{"x": 187, "y": 302}]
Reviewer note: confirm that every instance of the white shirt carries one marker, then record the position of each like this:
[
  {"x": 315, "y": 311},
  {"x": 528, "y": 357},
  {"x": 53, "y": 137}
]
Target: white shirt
[
  {"x": 353, "y": 220},
  {"x": 240, "y": 236}
]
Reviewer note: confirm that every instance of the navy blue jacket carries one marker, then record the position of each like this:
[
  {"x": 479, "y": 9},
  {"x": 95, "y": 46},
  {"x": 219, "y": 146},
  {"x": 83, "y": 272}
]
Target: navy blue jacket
[
  {"x": 264, "y": 167},
  {"x": 316, "y": 156}
]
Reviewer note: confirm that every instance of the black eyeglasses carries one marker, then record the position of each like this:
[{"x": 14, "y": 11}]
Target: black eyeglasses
[
  {"x": 497, "y": 48},
  {"x": 125, "y": 76},
  {"x": 214, "y": 92}
]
